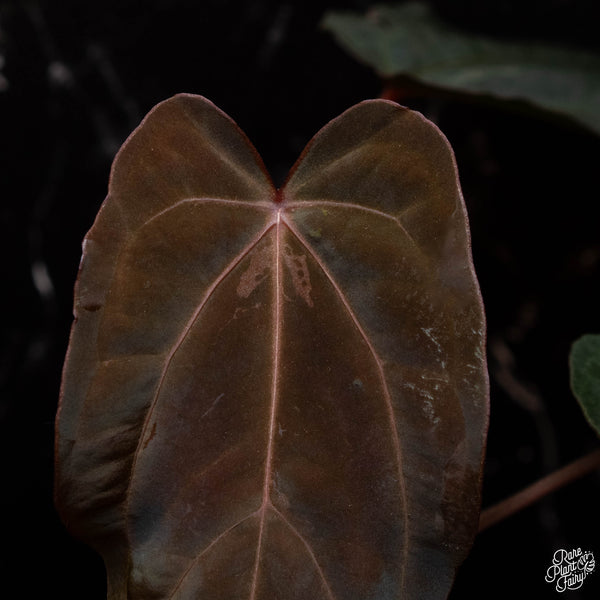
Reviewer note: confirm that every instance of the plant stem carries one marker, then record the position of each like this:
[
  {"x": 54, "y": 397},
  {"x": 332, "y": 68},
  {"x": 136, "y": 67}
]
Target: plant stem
[
  {"x": 401, "y": 91},
  {"x": 546, "y": 485}
]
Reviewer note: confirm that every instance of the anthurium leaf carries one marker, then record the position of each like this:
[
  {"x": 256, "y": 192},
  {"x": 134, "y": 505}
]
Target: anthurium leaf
[
  {"x": 408, "y": 40},
  {"x": 585, "y": 377},
  {"x": 276, "y": 393}
]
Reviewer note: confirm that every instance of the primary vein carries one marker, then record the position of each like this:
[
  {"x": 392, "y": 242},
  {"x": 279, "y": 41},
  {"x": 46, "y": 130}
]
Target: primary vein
[
  {"x": 274, "y": 392},
  {"x": 381, "y": 373},
  {"x": 175, "y": 347},
  {"x": 354, "y": 206}
]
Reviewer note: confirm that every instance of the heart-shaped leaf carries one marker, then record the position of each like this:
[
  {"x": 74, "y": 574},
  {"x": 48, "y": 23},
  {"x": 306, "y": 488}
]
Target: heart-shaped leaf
[{"x": 276, "y": 393}]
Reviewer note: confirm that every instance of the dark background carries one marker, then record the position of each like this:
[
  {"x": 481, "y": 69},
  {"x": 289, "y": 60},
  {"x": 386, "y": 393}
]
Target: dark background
[{"x": 77, "y": 77}]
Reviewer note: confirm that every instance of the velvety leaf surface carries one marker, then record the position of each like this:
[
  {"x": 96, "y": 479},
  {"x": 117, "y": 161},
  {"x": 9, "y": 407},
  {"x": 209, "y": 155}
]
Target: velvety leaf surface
[
  {"x": 276, "y": 394},
  {"x": 585, "y": 377},
  {"x": 408, "y": 40}
]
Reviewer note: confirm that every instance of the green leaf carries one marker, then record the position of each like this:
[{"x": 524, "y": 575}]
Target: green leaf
[
  {"x": 409, "y": 41},
  {"x": 585, "y": 377}
]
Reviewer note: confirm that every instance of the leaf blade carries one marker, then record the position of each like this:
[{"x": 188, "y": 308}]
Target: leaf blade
[{"x": 251, "y": 409}]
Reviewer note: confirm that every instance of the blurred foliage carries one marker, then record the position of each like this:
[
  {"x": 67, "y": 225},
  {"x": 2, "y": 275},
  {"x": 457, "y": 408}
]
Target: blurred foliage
[
  {"x": 408, "y": 42},
  {"x": 585, "y": 377}
]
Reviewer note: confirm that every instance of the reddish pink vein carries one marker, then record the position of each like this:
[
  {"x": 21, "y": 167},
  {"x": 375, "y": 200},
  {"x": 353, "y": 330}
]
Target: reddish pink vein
[
  {"x": 352, "y": 206},
  {"x": 380, "y": 370},
  {"x": 207, "y": 549},
  {"x": 179, "y": 341},
  {"x": 308, "y": 549},
  {"x": 265, "y": 206},
  {"x": 266, "y": 502}
]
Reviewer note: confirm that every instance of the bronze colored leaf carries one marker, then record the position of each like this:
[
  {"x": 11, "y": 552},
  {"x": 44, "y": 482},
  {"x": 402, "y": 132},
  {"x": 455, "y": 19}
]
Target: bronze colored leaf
[{"x": 276, "y": 394}]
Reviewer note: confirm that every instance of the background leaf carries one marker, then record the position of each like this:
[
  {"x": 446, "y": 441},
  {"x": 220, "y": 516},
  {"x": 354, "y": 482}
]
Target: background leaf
[
  {"x": 408, "y": 40},
  {"x": 276, "y": 393},
  {"x": 585, "y": 377}
]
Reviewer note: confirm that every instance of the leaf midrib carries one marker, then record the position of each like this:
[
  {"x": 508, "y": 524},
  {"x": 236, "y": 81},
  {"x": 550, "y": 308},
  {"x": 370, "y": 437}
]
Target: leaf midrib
[{"x": 276, "y": 220}]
